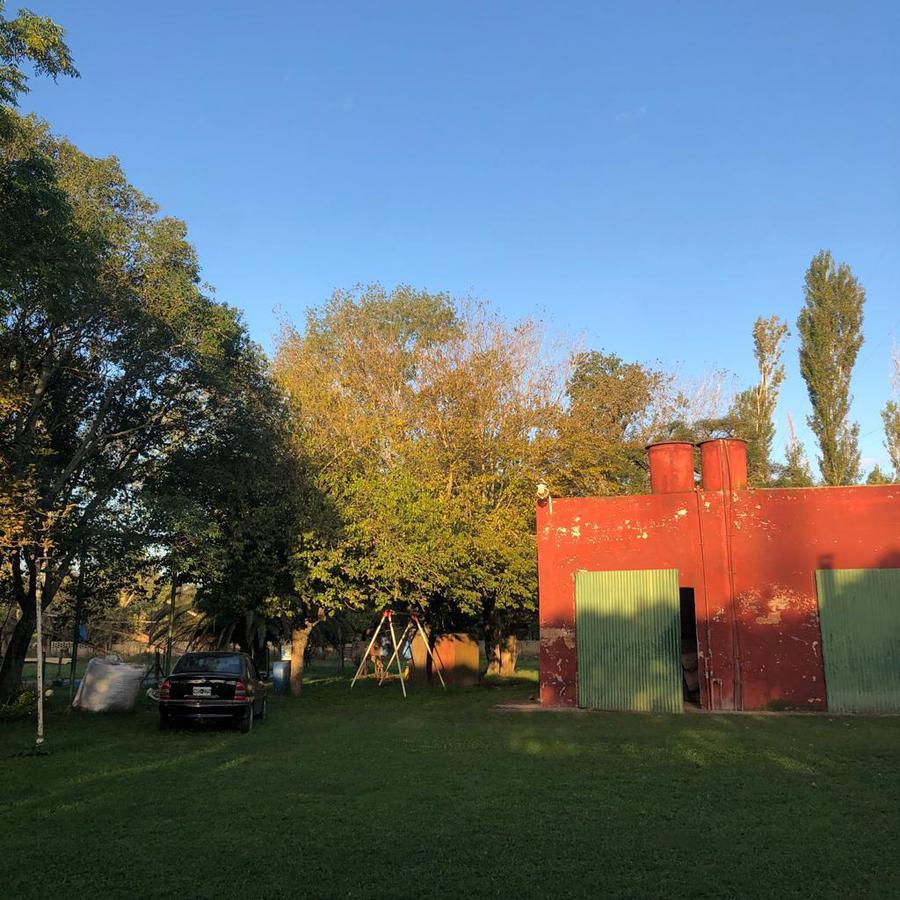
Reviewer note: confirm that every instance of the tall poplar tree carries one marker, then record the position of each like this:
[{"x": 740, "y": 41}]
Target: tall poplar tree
[
  {"x": 830, "y": 327},
  {"x": 754, "y": 408}
]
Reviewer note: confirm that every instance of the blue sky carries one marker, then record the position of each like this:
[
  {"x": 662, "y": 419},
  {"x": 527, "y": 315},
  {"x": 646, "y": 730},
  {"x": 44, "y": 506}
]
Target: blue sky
[{"x": 648, "y": 176}]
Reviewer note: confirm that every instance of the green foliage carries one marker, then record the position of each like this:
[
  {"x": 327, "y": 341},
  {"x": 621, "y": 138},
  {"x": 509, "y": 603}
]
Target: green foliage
[
  {"x": 830, "y": 328},
  {"x": 795, "y": 471},
  {"x": 614, "y": 410},
  {"x": 22, "y": 706},
  {"x": 233, "y": 507},
  {"x": 114, "y": 350},
  {"x": 890, "y": 415},
  {"x": 877, "y": 476},
  {"x": 422, "y": 420},
  {"x": 33, "y": 40},
  {"x": 753, "y": 410}
]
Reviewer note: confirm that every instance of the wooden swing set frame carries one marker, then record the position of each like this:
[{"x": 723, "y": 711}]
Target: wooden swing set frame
[{"x": 413, "y": 626}]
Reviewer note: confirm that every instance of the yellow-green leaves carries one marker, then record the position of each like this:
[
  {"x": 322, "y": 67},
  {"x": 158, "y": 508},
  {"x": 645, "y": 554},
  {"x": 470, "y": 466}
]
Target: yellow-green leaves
[{"x": 31, "y": 39}]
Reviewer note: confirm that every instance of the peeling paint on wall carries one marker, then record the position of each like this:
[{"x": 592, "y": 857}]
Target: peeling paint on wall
[
  {"x": 777, "y": 605},
  {"x": 566, "y": 636}
]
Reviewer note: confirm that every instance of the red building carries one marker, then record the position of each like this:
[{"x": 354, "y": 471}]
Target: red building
[{"x": 775, "y": 598}]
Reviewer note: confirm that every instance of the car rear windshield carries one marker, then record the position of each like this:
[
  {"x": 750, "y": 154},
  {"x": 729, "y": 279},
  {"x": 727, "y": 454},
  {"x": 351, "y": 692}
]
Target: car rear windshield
[{"x": 209, "y": 663}]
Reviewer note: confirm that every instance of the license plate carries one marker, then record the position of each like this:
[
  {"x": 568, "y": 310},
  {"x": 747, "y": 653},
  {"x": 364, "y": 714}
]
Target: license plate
[{"x": 203, "y": 692}]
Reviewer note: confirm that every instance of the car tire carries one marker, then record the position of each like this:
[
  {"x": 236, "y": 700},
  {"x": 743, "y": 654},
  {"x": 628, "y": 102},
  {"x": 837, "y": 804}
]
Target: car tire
[
  {"x": 247, "y": 721},
  {"x": 165, "y": 722}
]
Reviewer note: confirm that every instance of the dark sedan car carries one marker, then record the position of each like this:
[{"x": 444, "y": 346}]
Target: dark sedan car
[{"x": 216, "y": 685}]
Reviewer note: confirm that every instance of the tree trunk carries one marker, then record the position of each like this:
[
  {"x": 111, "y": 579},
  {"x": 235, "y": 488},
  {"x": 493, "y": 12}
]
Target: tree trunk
[
  {"x": 492, "y": 650},
  {"x": 492, "y": 643},
  {"x": 14, "y": 660},
  {"x": 500, "y": 647},
  {"x": 509, "y": 654},
  {"x": 299, "y": 640}
]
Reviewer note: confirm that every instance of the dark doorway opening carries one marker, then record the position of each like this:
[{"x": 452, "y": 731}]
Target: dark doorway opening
[{"x": 690, "y": 665}]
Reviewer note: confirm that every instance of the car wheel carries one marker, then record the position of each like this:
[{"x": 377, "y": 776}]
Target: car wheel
[
  {"x": 165, "y": 722},
  {"x": 247, "y": 721}
]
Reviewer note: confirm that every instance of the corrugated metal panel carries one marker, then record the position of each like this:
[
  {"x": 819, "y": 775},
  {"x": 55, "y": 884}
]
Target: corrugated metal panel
[
  {"x": 859, "y": 611},
  {"x": 627, "y": 633}
]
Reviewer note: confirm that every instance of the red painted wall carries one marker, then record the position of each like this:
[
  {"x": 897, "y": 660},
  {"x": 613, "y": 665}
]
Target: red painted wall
[
  {"x": 749, "y": 555},
  {"x": 779, "y": 539}
]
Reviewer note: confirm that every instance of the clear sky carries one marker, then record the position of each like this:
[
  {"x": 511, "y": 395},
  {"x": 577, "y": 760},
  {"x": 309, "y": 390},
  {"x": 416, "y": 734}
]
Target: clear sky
[{"x": 650, "y": 176}]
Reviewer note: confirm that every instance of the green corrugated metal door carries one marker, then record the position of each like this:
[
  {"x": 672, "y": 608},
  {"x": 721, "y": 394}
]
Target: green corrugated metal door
[
  {"x": 859, "y": 611},
  {"x": 628, "y": 637}
]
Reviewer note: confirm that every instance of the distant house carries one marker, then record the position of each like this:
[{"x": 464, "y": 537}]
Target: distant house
[{"x": 727, "y": 596}]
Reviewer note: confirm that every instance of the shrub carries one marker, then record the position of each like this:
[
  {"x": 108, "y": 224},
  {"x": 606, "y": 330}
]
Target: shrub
[{"x": 22, "y": 707}]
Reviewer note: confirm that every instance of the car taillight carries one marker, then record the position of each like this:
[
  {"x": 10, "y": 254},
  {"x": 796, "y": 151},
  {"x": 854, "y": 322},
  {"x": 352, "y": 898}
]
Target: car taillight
[
  {"x": 164, "y": 689},
  {"x": 240, "y": 691}
]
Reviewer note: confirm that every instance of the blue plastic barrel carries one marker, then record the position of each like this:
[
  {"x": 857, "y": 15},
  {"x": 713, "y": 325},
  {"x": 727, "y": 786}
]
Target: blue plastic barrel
[{"x": 281, "y": 676}]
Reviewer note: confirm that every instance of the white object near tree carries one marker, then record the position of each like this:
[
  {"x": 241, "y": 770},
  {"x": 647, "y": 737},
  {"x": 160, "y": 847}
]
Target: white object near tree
[{"x": 109, "y": 685}]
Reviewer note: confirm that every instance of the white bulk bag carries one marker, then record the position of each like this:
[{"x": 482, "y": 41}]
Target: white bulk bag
[{"x": 109, "y": 685}]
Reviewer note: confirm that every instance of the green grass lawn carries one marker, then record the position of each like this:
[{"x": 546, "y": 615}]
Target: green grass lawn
[{"x": 361, "y": 794}]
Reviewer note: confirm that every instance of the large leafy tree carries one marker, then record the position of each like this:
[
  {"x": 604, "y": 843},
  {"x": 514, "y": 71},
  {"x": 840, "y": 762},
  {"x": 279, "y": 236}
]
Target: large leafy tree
[
  {"x": 614, "y": 409},
  {"x": 112, "y": 350},
  {"x": 754, "y": 409},
  {"x": 830, "y": 328},
  {"x": 487, "y": 413},
  {"x": 350, "y": 380},
  {"x": 38, "y": 244},
  {"x": 421, "y": 418},
  {"x": 235, "y": 510}
]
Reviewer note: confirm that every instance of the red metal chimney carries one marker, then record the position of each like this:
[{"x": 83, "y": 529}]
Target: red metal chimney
[
  {"x": 671, "y": 467},
  {"x": 723, "y": 464}
]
